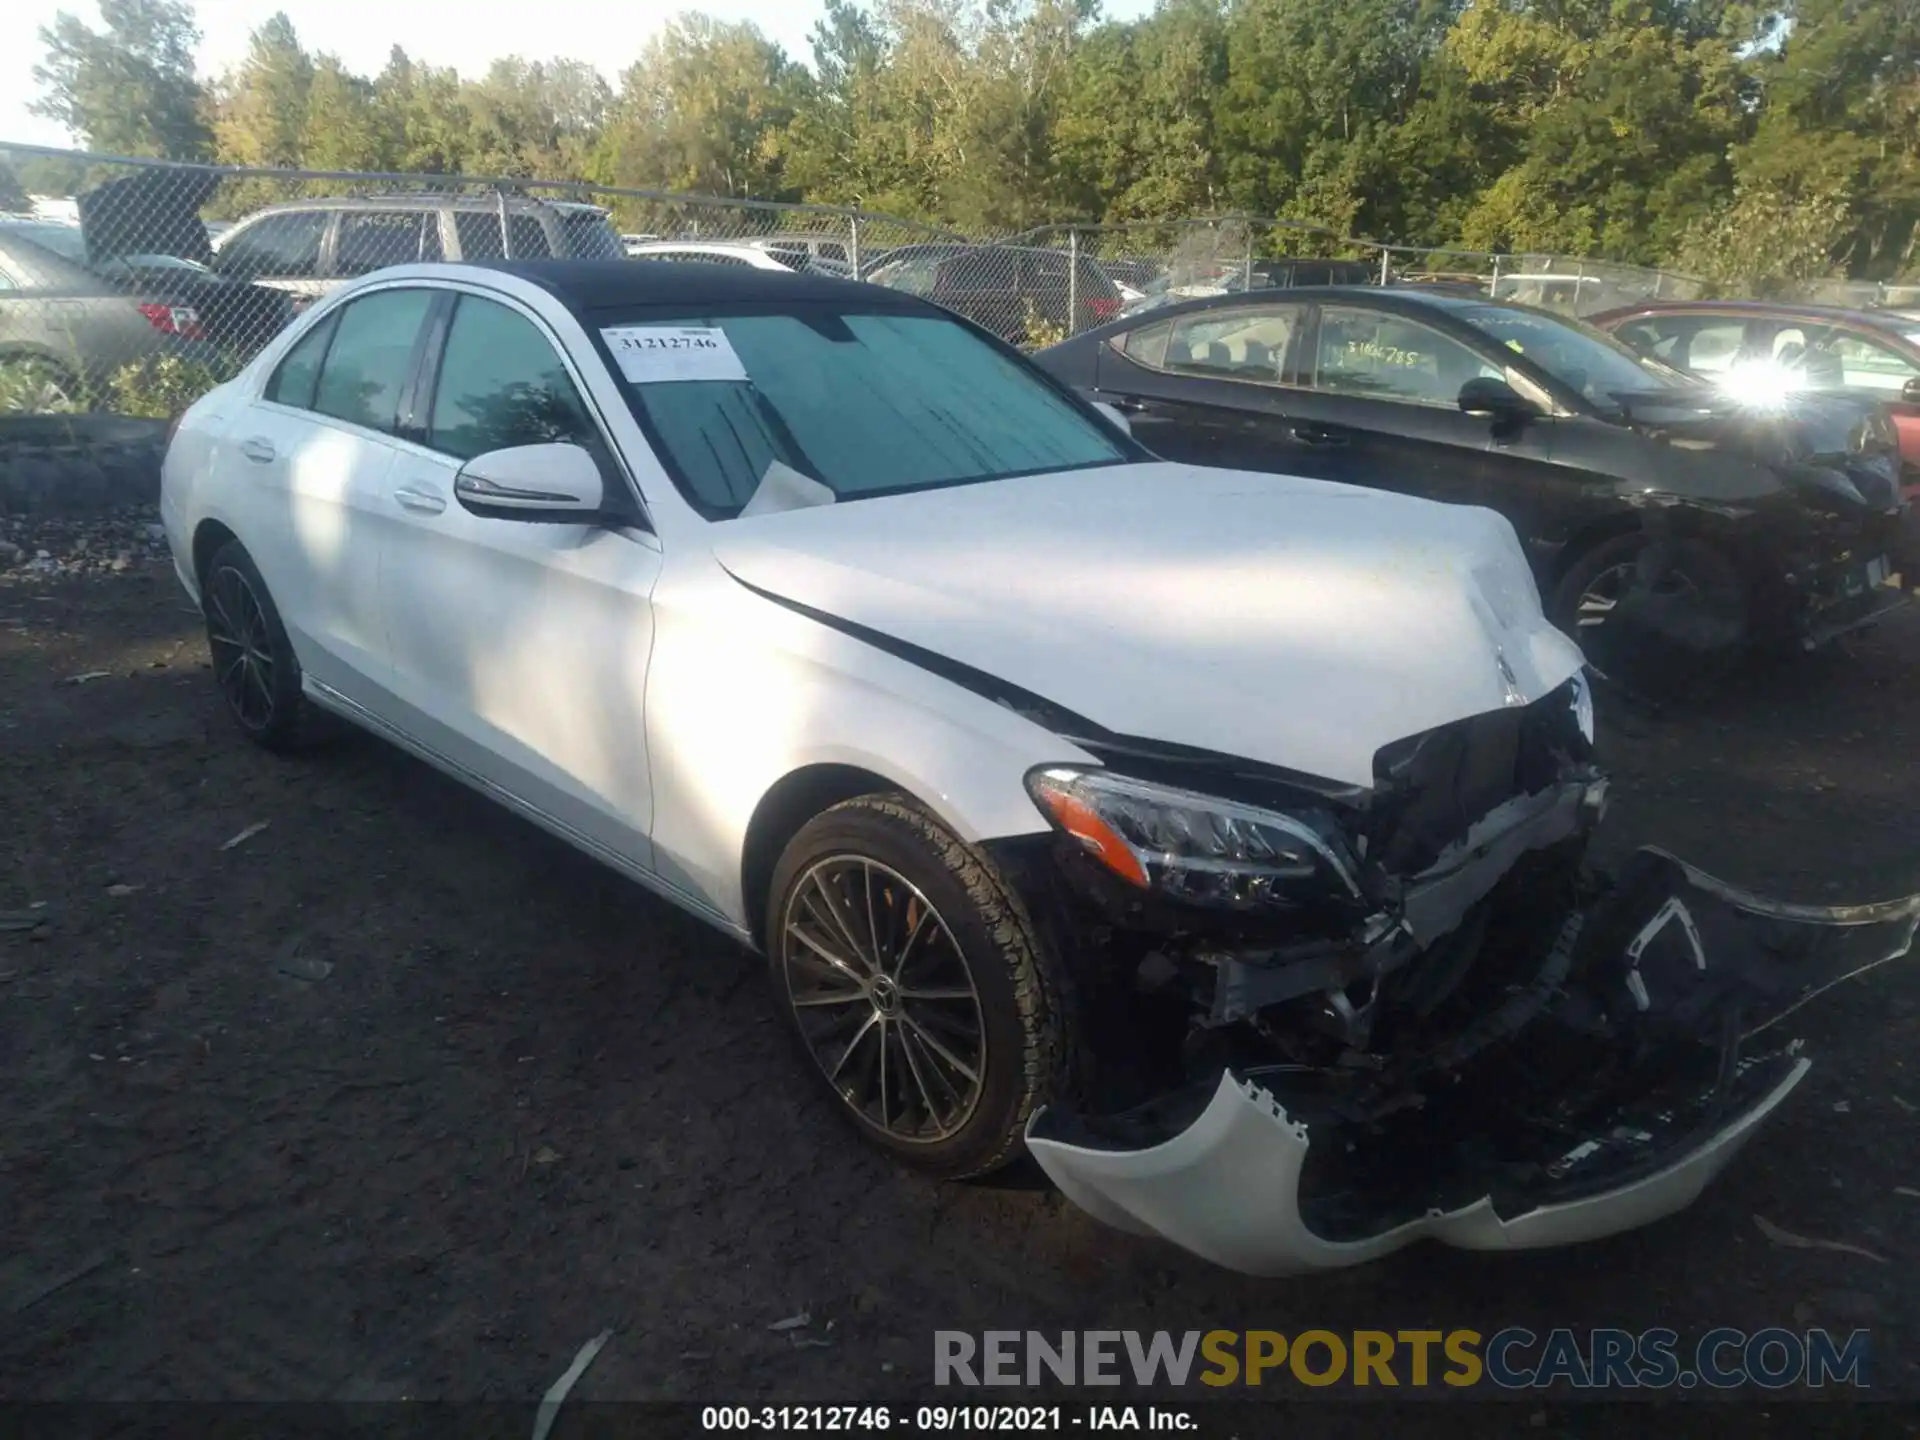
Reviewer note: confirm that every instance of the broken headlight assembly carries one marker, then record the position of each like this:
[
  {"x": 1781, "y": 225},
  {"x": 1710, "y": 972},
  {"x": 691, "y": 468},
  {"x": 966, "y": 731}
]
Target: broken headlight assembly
[{"x": 1199, "y": 849}]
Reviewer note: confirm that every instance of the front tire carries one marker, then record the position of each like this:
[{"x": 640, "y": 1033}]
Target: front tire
[
  {"x": 253, "y": 661},
  {"x": 916, "y": 985},
  {"x": 1702, "y": 589}
]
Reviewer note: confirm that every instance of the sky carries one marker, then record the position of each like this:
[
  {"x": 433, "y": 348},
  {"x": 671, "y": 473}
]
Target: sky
[{"x": 466, "y": 34}]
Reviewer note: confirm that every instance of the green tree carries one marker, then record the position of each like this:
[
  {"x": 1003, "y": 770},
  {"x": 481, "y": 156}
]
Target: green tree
[
  {"x": 260, "y": 106},
  {"x": 128, "y": 89},
  {"x": 706, "y": 108}
]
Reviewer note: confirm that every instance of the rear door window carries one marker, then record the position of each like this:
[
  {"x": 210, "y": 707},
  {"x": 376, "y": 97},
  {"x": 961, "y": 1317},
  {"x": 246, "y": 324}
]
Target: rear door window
[
  {"x": 1249, "y": 344},
  {"x": 1707, "y": 344},
  {"x": 371, "y": 357},
  {"x": 299, "y": 372},
  {"x": 481, "y": 236},
  {"x": 372, "y": 239}
]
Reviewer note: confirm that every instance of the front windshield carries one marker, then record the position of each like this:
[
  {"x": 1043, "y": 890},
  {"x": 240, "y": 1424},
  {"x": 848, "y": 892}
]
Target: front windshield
[
  {"x": 1577, "y": 355},
  {"x": 864, "y": 404}
]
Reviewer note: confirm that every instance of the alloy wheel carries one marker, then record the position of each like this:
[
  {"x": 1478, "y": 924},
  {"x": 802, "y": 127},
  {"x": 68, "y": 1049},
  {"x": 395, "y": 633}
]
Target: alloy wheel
[
  {"x": 242, "y": 646},
  {"x": 1600, "y": 597},
  {"x": 883, "y": 998}
]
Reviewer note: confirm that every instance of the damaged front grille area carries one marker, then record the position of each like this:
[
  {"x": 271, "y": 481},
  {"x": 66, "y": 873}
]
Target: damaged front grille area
[{"x": 1432, "y": 788}]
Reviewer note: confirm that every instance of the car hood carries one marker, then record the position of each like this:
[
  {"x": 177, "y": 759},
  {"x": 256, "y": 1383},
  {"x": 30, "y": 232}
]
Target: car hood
[
  {"x": 1787, "y": 433},
  {"x": 1274, "y": 618}
]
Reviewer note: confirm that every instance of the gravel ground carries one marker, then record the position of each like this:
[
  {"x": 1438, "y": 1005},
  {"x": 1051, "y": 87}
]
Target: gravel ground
[{"x": 328, "y": 1079}]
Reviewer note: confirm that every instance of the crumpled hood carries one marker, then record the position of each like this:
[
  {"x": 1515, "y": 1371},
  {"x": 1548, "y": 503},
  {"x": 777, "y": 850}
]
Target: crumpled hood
[{"x": 1278, "y": 619}]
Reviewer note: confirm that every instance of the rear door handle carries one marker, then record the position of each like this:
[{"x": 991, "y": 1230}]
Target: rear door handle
[
  {"x": 1318, "y": 437},
  {"x": 1126, "y": 404},
  {"x": 421, "y": 502},
  {"x": 258, "y": 449}
]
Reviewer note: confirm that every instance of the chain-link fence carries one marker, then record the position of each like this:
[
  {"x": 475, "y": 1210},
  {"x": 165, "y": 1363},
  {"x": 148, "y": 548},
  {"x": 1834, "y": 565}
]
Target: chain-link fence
[
  {"x": 141, "y": 284},
  {"x": 132, "y": 286}
]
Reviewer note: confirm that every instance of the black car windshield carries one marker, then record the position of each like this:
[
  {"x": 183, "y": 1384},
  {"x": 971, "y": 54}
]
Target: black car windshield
[
  {"x": 1577, "y": 355},
  {"x": 862, "y": 403}
]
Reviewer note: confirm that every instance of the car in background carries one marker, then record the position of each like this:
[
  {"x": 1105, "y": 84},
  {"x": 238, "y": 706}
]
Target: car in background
[
  {"x": 730, "y": 252},
  {"x": 1763, "y": 349},
  {"x": 1668, "y": 527},
  {"x": 309, "y": 247},
  {"x": 1567, "y": 294},
  {"x": 129, "y": 282},
  {"x": 1020, "y": 293},
  {"x": 829, "y": 250},
  {"x": 1233, "y": 277},
  {"x": 1168, "y": 824}
]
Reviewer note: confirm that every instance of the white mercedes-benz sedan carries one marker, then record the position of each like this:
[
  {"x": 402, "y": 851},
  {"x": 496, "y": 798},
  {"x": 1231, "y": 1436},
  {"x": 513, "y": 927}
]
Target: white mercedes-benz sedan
[{"x": 1217, "y": 838}]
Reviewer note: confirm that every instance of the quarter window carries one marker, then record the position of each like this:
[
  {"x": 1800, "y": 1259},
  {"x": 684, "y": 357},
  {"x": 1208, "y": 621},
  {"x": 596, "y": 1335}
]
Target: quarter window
[
  {"x": 293, "y": 383},
  {"x": 1385, "y": 357},
  {"x": 480, "y": 236},
  {"x": 367, "y": 366},
  {"x": 503, "y": 384}
]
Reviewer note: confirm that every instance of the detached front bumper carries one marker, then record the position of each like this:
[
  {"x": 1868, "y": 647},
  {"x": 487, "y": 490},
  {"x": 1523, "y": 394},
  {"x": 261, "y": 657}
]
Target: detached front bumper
[{"x": 1674, "y": 978}]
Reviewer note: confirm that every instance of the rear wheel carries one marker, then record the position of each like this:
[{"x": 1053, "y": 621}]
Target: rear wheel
[
  {"x": 253, "y": 660},
  {"x": 917, "y": 988}
]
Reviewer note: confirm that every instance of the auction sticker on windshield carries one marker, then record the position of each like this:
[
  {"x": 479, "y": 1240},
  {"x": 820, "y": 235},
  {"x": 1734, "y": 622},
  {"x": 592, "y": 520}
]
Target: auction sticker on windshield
[{"x": 653, "y": 354}]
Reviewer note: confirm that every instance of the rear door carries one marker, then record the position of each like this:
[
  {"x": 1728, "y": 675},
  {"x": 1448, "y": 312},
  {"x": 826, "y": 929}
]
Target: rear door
[
  {"x": 313, "y": 451},
  {"x": 1211, "y": 387},
  {"x": 519, "y": 650}
]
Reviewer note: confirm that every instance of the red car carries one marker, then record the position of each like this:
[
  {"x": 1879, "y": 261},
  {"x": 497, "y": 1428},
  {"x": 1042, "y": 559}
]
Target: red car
[{"x": 1872, "y": 353}]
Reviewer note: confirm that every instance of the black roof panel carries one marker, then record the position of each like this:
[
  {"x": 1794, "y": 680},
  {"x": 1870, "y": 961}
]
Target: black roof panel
[{"x": 606, "y": 284}]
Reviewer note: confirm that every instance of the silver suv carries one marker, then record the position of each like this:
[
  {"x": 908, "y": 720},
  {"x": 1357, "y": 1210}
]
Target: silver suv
[{"x": 307, "y": 247}]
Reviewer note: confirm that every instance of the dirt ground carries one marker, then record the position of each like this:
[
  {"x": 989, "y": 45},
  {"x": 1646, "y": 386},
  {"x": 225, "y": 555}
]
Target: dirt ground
[{"x": 525, "y": 1101}]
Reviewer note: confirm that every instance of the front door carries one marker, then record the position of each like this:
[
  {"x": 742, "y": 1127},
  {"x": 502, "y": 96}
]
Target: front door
[{"x": 519, "y": 649}]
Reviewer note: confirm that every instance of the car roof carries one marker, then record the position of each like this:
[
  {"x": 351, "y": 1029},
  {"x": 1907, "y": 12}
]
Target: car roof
[
  {"x": 417, "y": 201},
  {"x": 1786, "y": 310},
  {"x": 583, "y": 285}
]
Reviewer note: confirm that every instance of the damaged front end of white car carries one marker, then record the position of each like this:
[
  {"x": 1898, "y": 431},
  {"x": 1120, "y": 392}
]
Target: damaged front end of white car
[{"x": 1327, "y": 1021}]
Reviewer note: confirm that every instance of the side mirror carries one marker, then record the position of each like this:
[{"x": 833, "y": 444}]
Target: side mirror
[
  {"x": 554, "y": 484},
  {"x": 1498, "y": 401},
  {"x": 1114, "y": 414},
  {"x": 1910, "y": 392}
]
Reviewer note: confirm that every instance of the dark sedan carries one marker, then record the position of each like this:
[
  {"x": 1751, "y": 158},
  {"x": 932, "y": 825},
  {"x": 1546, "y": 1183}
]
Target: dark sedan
[
  {"x": 1873, "y": 354},
  {"x": 1666, "y": 524},
  {"x": 128, "y": 283}
]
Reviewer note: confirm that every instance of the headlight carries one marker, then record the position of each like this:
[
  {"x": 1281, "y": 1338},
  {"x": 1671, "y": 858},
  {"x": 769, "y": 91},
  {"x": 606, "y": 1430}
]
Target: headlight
[
  {"x": 1583, "y": 705},
  {"x": 1197, "y": 848}
]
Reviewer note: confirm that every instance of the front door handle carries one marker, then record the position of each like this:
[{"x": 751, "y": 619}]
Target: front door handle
[
  {"x": 420, "y": 502},
  {"x": 258, "y": 449},
  {"x": 1318, "y": 437}
]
